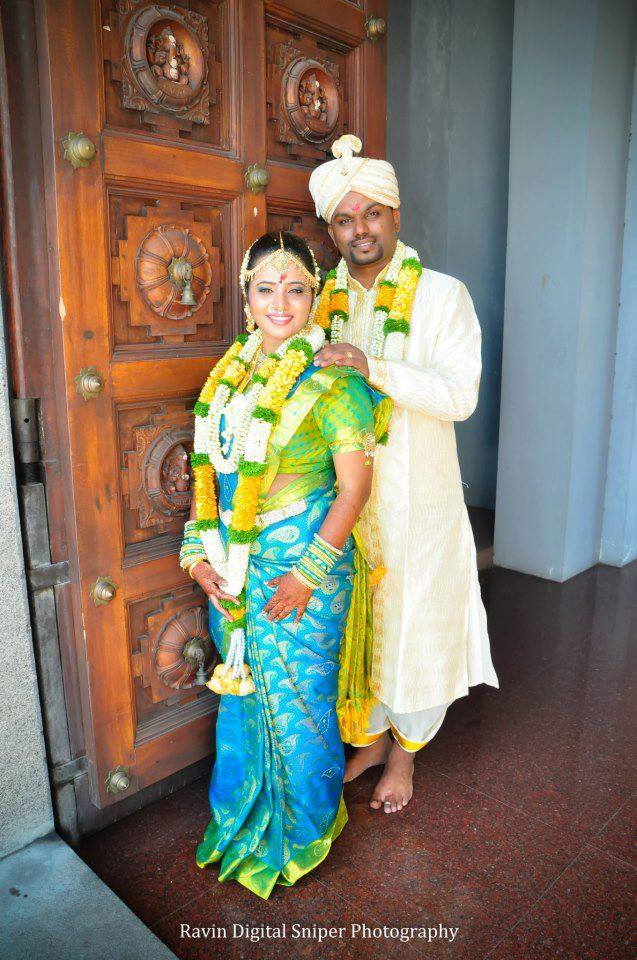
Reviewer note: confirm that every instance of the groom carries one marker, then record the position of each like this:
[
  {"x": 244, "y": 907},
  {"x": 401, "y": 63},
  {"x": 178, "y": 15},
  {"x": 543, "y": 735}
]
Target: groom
[{"x": 416, "y": 337}]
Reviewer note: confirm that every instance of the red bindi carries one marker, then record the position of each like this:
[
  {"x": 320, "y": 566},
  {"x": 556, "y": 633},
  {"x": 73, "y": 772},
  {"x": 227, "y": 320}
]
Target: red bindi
[
  {"x": 282, "y": 277},
  {"x": 357, "y": 207}
]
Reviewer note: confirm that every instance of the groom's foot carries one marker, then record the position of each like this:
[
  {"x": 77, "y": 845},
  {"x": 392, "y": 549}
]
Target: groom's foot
[
  {"x": 365, "y": 757},
  {"x": 395, "y": 788}
]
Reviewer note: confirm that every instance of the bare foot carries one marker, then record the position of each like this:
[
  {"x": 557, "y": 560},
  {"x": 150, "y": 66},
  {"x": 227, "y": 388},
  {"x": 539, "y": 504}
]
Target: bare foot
[
  {"x": 395, "y": 788},
  {"x": 370, "y": 756}
]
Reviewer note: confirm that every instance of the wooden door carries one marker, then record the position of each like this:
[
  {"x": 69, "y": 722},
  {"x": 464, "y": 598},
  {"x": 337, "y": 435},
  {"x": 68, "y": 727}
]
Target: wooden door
[{"x": 159, "y": 120}]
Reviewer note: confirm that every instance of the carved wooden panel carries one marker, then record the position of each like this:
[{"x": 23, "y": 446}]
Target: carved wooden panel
[
  {"x": 306, "y": 96},
  {"x": 153, "y": 260},
  {"x": 167, "y": 273},
  {"x": 155, "y": 440},
  {"x": 172, "y": 653},
  {"x": 164, "y": 68},
  {"x": 314, "y": 231}
]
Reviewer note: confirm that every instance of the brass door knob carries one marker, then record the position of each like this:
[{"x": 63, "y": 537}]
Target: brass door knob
[
  {"x": 79, "y": 149},
  {"x": 89, "y": 382},
  {"x": 257, "y": 178},
  {"x": 103, "y": 591},
  {"x": 117, "y": 780},
  {"x": 375, "y": 27}
]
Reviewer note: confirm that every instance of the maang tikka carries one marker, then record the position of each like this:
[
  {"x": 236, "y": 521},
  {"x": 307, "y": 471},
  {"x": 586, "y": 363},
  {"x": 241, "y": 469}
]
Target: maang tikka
[{"x": 281, "y": 259}]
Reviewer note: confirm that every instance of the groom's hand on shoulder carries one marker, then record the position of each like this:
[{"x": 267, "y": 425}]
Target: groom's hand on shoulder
[{"x": 342, "y": 355}]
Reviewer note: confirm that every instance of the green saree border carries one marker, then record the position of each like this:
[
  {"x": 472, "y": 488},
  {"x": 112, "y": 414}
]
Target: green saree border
[{"x": 259, "y": 877}]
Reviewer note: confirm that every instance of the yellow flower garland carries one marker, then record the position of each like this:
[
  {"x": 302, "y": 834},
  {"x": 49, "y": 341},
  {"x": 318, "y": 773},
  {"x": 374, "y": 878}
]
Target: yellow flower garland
[
  {"x": 322, "y": 315},
  {"x": 392, "y": 310},
  {"x": 278, "y": 375}
]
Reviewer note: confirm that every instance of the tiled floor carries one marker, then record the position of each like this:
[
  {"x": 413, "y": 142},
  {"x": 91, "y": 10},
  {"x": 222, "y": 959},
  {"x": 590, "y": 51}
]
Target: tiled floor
[{"x": 521, "y": 832}]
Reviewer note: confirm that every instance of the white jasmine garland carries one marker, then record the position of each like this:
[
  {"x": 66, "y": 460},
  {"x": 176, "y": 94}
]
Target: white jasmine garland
[
  {"x": 389, "y": 346},
  {"x": 394, "y": 346},
  {"x": 250, "y": 438}
]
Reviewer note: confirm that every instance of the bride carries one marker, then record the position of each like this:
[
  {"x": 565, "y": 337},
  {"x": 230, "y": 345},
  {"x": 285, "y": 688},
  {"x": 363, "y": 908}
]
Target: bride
[{"x": 283, "y": 467}]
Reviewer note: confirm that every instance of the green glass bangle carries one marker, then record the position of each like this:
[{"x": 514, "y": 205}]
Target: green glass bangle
[{"x": 317, "y": 562}]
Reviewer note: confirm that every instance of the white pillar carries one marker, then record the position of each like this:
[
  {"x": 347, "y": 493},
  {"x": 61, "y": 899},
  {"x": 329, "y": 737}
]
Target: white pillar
[
  {"x": 619, "y": 531},
  {"x": 570, "y": 120}
]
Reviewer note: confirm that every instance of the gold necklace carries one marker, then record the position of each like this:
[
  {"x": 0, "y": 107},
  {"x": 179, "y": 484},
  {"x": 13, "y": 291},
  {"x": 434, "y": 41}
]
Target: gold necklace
[{"x": 259, "y": 359}]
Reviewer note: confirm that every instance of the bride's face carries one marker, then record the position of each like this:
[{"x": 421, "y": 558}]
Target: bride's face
[{"x": 280, "y": 302}]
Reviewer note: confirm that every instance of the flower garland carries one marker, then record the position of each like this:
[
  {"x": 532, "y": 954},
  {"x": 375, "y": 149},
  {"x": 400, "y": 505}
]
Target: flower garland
[
  {"x": 392, "y": 310},
  {"x": 267, "y": 394},
  {"x": 251, "y": 430}
]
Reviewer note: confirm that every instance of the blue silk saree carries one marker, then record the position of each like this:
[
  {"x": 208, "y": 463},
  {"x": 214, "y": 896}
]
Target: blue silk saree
[{"x": 276, "y": 787}]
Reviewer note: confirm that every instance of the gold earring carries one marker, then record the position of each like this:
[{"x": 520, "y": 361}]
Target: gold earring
[{"x": 250, "y": 322}]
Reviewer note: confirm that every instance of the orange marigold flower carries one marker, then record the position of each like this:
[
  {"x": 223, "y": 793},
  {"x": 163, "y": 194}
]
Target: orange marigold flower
[
  {"x": 340, "y": 301},
  {"x": 246, "y": 502},
  {"x": 386, "y": 297},
  {"x": 322, "y": 315},
  {"x": 205, "y": 493}
]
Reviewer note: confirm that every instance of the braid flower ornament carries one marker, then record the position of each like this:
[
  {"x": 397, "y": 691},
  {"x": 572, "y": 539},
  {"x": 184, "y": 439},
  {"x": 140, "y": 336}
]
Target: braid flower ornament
[{"x": 392, "y": 310}]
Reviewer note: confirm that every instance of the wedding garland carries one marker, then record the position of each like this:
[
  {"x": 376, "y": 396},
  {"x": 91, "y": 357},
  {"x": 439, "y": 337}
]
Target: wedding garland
[
  {"x": 249, "y": 427},
  {"x": 392, "y": 310}
]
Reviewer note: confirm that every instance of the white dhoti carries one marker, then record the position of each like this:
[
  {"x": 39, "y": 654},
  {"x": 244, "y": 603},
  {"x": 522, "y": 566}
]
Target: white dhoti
[{"x": 411, "y": 730}]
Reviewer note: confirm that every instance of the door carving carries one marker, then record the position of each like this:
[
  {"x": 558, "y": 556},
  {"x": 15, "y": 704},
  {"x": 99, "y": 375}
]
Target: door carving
[
  {"x": 179, "y": 100},
  {"x": 165, "y": 61}
]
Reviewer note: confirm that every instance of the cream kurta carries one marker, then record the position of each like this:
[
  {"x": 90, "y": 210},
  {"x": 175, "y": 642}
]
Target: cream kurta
[{"x": 430, "y": 629}]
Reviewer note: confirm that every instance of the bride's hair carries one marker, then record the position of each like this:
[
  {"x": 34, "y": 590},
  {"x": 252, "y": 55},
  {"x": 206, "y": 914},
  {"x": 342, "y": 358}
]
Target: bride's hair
[{"x": 269, "y": 242}]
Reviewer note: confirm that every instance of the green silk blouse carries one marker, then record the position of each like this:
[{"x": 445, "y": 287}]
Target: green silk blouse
[
  {"x": 337, "y": 423},
  {"x": 339, "y": 420}
]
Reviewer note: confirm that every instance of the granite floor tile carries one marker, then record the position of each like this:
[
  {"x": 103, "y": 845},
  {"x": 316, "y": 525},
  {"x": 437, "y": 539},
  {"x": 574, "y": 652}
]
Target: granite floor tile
[
  {"x": 449, "y": 837},
  {"x": 619, "y": 836},
  {"x": 570, "y": 768},
  {"x": 454, "y": 925},
  {"x": 148, "y": 827},
  {"x": 584, "y": 625},
  {"x": 304, "y": 913},
  {"x": 160, "y": 878},
  {"x": 159, "y": 874},
  {"x": 588, "y": 914},
  {"x": 535, "y": 623}
]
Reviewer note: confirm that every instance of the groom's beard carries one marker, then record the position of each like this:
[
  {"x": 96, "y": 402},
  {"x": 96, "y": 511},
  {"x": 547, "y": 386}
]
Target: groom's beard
[{"x": 373, "y": 255}]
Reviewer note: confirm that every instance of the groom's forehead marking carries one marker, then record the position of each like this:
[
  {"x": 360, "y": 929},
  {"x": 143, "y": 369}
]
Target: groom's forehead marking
[{"x": 343, "y": 210}]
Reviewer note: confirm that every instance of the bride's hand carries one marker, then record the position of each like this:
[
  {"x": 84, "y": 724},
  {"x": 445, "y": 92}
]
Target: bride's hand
[
  {"x": 211, "y": 583},
  {"x": 290, "y": 595}
]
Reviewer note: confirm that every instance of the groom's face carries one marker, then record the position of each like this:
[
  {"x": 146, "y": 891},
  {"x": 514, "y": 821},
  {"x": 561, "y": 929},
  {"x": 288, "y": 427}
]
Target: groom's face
[{"x": 365, "y": 232}]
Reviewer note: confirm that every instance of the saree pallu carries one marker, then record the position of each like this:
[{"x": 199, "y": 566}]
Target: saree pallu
[{"x": 276, "y": 786}]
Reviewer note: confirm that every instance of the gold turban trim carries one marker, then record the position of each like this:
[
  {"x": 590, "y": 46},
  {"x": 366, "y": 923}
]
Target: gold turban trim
[{"x": 331, "y": 181}]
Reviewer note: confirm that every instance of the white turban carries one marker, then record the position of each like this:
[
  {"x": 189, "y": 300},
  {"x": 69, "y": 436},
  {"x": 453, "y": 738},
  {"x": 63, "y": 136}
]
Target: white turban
[{"x": 331, "y": 181}]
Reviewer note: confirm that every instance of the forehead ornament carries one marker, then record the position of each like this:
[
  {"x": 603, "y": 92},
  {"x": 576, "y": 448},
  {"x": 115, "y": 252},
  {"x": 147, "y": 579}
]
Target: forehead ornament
[{"x": 281, "y": 260}]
